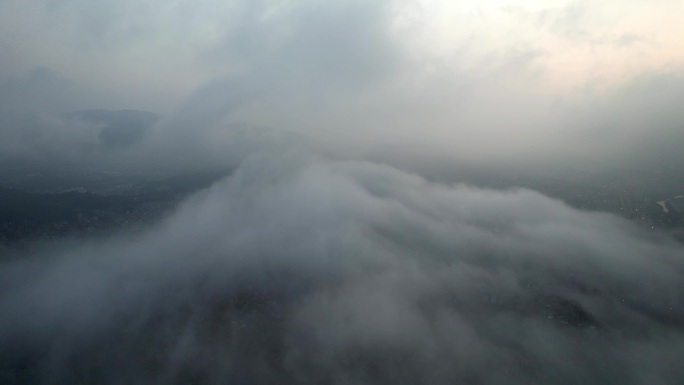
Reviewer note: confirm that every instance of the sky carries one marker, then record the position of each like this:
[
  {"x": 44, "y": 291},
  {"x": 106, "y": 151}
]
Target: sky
[
  {"x": 525, "y": 82},
  {"x": 139, "y": 51}
]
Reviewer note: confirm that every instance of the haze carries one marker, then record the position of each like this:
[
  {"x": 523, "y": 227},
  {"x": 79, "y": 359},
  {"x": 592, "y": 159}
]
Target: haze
[{"x": 345, "y": 192}]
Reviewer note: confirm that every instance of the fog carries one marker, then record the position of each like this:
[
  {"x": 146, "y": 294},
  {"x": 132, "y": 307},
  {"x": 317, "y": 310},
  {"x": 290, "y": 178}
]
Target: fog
[
  {"x": 331, "y": 253},
  {"x": 350, "y": 272}
]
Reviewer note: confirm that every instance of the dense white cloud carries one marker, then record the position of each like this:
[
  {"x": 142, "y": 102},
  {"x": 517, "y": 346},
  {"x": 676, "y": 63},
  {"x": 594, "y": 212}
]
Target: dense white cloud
[{"x": 297, "y": 269}]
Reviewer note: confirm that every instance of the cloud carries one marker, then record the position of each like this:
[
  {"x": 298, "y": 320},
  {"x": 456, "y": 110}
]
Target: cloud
[
  {"x": 365, "y": 78},
  {"x": 281, "y": 56},
  {"x": 318, "y": 268},
  {"x": 298, "y": 269}
]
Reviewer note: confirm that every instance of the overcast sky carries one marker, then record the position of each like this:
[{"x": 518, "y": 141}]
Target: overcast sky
[
  {"x": 151, "y": 54},
  {"x": 524, "y": 81}
]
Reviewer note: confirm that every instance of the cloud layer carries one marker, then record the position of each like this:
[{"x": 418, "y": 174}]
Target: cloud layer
[
  {"x": 298, "y": 269},
  {"x": 332, "y": 268}
]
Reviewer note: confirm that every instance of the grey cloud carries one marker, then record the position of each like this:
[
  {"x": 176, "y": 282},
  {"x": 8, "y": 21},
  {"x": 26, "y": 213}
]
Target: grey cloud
[
  {"x": 339, "y": 72},
  {"x": 294, "y": 59},
  {"x": 628, "y": 39},
  {"x": 297, "y": 269},
  {"x": 303, "y": 51}
]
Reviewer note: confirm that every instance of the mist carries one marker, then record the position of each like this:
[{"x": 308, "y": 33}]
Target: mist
[
  {"x": 366, "y": 78},
  {"x": 375, "y": 218},
  {"x": 349, "y": 272}
]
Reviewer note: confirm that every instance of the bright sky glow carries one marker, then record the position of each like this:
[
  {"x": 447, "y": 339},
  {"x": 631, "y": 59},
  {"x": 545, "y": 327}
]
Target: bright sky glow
[{"x": 164, "y": 48}]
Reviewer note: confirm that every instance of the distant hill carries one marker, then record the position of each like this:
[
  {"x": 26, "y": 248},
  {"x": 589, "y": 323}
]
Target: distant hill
[{"x": 118, "y": 128}]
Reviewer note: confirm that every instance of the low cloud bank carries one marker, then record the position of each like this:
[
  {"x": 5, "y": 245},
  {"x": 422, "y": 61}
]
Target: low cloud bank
[{"x": 299, "y": 269}]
